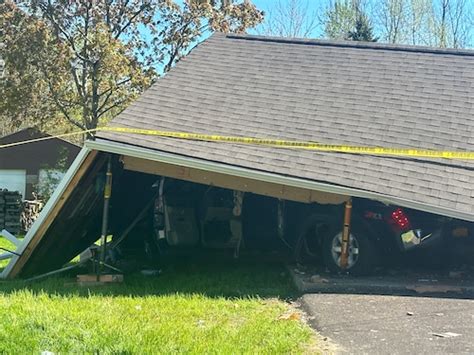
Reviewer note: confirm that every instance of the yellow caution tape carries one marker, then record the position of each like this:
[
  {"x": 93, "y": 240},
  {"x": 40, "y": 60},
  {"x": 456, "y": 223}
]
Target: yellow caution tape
[
  {"x": 399, "y": 152},
  {"x": 34, "y": 140},
  {"x": 365, "y": 150}
]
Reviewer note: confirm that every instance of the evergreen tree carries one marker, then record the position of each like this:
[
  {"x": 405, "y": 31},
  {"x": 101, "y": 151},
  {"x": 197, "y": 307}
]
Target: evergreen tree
[{"x": 362, "y": 29}]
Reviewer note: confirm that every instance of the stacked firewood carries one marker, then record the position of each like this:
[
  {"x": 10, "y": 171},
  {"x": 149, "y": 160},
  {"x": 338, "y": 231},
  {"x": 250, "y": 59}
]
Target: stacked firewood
[
  {"x": 10, "y": 211},
  {"x": 31, "y": 211}
]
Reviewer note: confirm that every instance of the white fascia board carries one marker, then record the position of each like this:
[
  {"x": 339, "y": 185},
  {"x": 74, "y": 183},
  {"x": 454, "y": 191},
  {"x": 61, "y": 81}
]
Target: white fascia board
[
  {"x": 163, "y": 157},
  {"x": 47, "y": 208}
]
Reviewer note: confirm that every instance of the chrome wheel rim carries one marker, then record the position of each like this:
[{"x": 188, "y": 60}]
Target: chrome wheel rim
[{"x": 336, "y": 250}]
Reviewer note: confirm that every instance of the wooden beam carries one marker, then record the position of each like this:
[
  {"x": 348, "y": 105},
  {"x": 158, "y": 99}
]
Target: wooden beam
[
  {"x": 231, "y": 182},
  {"x": 38, "y": 236}
]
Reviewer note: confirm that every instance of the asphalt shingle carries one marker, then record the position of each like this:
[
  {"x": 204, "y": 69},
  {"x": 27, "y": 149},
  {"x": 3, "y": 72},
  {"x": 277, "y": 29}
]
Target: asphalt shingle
[{"x": 335, "y": 93}]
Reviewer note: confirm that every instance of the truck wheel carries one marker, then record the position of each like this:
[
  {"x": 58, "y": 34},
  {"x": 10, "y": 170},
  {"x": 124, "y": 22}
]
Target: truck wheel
[{"x": 361, "y": 252}]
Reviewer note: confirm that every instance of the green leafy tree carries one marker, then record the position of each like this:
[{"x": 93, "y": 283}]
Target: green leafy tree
[
  {"x": 52, "y": 176},
  {"x": 347, "y": 20},
  {"x": 24, "y": 100},
  {"x": 179, "y": 28},
  {"x": 97, "y": 71},
  {"x": 94, "y": 57},
  {"x": 339, "y": 19}
]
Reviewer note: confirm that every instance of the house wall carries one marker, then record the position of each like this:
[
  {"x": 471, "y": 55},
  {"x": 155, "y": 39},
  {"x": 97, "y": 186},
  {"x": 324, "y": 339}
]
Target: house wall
[{"x": 33, "y": 157}]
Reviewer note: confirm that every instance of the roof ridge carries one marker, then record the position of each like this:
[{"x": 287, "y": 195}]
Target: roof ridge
[{"x": 355, "y": 44}]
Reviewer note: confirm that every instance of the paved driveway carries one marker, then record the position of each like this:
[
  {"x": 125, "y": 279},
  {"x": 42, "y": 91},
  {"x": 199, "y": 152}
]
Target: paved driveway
[{"x": 393, "y": 324}]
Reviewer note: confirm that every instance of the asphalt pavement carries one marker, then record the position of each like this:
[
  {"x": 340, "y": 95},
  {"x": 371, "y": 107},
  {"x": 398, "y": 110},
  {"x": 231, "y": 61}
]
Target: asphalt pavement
[{"x": 378, "y": 324}]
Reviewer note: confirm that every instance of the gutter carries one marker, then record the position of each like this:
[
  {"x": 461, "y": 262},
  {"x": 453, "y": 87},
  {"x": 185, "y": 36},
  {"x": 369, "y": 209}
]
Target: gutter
[{"x": 170, "y": 158}]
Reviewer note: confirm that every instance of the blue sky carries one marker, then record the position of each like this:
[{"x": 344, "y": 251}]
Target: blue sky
[
  {"x": 319, "y": 6},
  {"x": 312, "y": 5}
]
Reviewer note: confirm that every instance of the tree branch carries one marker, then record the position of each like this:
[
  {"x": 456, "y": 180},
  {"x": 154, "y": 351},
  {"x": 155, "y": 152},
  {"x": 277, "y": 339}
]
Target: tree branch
[
  {"x": 112, "y": 106},
  {"x": 131, "y": 20},
  {"x": 109, "y": 92}
]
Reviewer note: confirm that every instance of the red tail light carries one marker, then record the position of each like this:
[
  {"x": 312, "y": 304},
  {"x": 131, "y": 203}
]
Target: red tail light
[{"x": 400, "y": 219}]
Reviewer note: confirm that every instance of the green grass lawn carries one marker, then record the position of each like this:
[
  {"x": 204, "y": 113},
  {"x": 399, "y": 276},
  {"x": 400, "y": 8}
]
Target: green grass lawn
[
  {"x": 7, "y": 245},
  {"x": 192, "y": 308}
]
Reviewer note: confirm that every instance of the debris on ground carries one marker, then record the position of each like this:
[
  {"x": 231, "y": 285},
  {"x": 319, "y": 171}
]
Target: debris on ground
[
  {"x": 408, "y": 281},
  {"x": 318, "y": 278},
  {"x": 298, "y": 271},
  {"x": 446, "y": 335},
  {"x": 434, "y": 288},
  {"x": 290, "y": 316},
  {"x": 98, "y": 280},
  {"x": 150, "y": 272}
]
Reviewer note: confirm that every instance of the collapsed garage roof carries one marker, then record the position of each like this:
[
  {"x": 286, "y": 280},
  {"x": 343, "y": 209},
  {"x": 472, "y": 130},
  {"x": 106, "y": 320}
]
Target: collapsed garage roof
[{"x": 362, "y": 94}]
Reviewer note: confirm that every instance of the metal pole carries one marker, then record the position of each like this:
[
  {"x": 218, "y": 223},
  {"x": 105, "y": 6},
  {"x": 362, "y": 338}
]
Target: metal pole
[
  {"x": 105, "y": 216},
  {"x": 70, "y": 267},
  {"x": 346, "y": 235}
]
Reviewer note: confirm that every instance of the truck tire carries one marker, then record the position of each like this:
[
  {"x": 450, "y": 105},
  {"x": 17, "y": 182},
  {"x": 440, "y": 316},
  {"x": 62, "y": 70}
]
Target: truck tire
[{"x": 362, "y": 254}]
